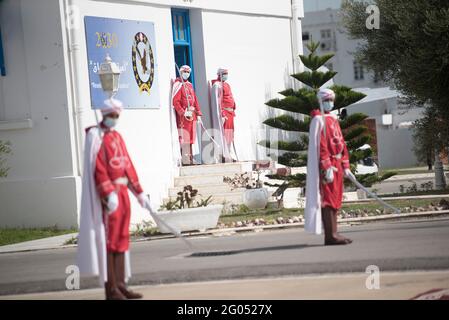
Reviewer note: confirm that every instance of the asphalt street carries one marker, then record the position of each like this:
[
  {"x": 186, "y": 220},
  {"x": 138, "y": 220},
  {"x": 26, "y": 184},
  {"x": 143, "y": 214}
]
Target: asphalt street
[{"x": 392, "y": 246}]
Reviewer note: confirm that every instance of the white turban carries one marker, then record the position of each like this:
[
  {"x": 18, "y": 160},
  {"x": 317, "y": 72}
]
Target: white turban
[
  {"x": 221, "y": 71},
  {"x": 110, "y": 106},
  {"x": 325, "y": 94},
  {"x": 185, "y": 68}
]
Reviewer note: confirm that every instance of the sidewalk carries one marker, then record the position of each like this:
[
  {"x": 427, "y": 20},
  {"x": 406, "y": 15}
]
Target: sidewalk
[
  {"x": 392, "y": 286},
  {"x": 40, "y": 244},
  {"x": 414, "y": 176}
]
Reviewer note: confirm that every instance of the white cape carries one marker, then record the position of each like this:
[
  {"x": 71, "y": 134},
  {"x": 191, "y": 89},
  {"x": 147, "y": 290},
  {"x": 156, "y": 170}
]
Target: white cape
[
  {"x": 92, "y": 255},
  {"x": 176, "y": 148},
  {"x": 312, "y": 211},
  {"x": 217, "y": 123}
]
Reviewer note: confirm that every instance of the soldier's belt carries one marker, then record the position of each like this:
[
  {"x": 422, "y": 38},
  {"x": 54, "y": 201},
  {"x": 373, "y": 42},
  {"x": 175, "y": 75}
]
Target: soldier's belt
[
  {"x": 337, "y": 156},
  {"x": 228, "y": 109},
  {"x": 121, "y": 180}
]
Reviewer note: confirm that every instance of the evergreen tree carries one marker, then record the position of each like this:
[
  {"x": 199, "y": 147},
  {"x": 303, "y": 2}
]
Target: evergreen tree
[{"x": 302, "y": 102}]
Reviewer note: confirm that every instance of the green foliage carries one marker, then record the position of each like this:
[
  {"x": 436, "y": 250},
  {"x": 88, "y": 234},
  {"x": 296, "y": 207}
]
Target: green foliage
[
  {"x": 355, "y": 132},
  {"x": 356, "y": 143},
  {"x": 313, "y": 62},
  {"x": 186, "y": 199},
  {"x": 352, "y": 120},
  {"x": 288, "y": 123},
  {"x": 204, "y": 202},
  {"x": 291, "y": 159},
  {"x": 426, "y": 138},
  {"x": 357, "y": 155},
  {"x": 285, "y": 145},
  {"x": 5, "y": 149},
  {"x": 295, "y": 104},
  {"x": 409, "y": 50},
  {"x": 16, "y": 235},
  {"x": 369, "y": 179},
  {"x": 314, "y": 79},
  {"x": 345, "y": 96}
]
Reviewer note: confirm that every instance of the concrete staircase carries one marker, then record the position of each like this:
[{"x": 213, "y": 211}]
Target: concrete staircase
[{"x": 208, "y": 180}]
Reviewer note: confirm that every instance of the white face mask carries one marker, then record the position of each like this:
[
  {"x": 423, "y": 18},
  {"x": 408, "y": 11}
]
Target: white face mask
[
  {"x": 328, "y": 105},
  {"x": 224, "y": 77},
  {"x": 110, "y": 122},
  {"x": 185, "y": 75}
]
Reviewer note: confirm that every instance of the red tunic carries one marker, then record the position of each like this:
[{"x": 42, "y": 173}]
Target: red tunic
[
  {"x": 186, "y": 129},
  {"x": 227, "y": 108},
  {"x": 108, "y": 174},
  {"x": 333, "y": 152}
]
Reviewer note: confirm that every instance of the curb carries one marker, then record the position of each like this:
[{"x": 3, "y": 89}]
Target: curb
[
  {"x": 431, "y": 196},
  {"x": 225, "y": 231}
]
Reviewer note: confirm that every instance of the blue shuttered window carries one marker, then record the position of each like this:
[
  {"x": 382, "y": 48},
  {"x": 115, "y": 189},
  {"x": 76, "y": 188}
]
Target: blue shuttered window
[
  {"x": 2, "y": 58},
  {"x": 182, "y": 40}
]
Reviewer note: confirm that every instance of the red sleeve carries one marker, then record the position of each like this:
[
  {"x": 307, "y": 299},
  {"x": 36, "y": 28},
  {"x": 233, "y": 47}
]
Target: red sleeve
[
  {"x": 177, "y": 102},
  {"x": 325, "y": 162},
  {"x": 102, "y": 181},
  {"x": 133, "y": 179},
  {"x": 197, "y": 105},
  {"x": 345, "y": 161}
]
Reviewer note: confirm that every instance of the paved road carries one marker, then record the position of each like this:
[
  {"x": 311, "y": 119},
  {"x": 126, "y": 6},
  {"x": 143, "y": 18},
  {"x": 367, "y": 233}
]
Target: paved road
[
  {"x": 393, "y": 246},
  {"x": 389, "y": 187}
]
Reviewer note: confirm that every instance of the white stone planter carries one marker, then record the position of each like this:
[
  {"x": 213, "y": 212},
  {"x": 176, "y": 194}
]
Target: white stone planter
[
  {"x": 350, "y": 196},
  {"x": 292, "y": 198},
  {"x": 255, "y": 198},
  {"x": 191, "y": 219}
]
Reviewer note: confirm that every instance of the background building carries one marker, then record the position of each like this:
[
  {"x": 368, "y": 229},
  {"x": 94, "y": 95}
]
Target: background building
[
  {"x": 393, "y": 138},
  {"x": 325, "y": 26}
]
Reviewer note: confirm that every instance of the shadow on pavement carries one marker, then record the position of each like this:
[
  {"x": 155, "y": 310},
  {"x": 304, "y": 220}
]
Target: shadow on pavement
[{"x": 232, "y": 252}]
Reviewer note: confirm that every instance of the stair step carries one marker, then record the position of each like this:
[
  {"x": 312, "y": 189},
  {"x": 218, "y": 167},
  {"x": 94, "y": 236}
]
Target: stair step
[
  {"x": 199, "y": 180},
  {"x": 233, "y": 197},
  {"x": 219, "y": 168},
  {"x": 206, "y": 190}
]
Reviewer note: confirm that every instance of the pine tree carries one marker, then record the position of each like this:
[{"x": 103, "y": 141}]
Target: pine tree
[{"x": 302, "y": 102}]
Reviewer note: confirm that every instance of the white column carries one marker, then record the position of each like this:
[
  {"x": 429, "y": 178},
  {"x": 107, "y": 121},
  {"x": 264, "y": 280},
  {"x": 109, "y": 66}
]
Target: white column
[
  {"x": 297, "y": 15},
  {"x": 78, "y": 97}
]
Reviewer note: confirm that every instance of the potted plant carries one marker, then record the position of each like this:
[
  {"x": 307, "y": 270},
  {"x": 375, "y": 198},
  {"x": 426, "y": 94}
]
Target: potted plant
[
  {"x": 185, "y": 213},
  {"x": 255, "y": 196}
]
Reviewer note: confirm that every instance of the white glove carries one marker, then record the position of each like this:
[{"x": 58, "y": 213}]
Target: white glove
[
  {"x": 142, "y": 198},
  {"x": 188, "y": 113},
  {"x": 112, "y": 202},
  {"x": 144, "y": 201},
  {"x": 199, "y": 119},
  {"x": 223, "y": 119},
  {"x": 329, "y": 175},
  {"x": 348, "y": 173}
]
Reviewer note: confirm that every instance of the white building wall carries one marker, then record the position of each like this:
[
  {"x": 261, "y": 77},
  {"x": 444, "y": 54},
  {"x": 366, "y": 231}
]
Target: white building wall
[
  {"x": 41, "y": 185},
  {"x": 258, "y": 68},
  {"x": 394, "y": 143},
  {"x": 46, "y": 106}
]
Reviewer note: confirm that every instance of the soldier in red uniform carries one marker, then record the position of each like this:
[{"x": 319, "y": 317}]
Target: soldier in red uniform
[
  {"x": 105, "y": 209},
  {"x": 328, "y": 163},
  {"x": 224, "y": 102},
  {"x": 188, "y": 112}
]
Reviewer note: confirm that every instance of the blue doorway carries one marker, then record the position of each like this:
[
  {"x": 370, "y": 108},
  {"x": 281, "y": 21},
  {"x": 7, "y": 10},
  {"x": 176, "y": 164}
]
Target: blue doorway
[{"x": 182, "y": 40}]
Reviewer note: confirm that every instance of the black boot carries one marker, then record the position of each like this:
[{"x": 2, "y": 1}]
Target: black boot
[
  {"x": 111, "y": 289},
  {"x": 120, "y": 276},
  {"x": 329, "y": 218},
  {"x": 335, "y": 227}
]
